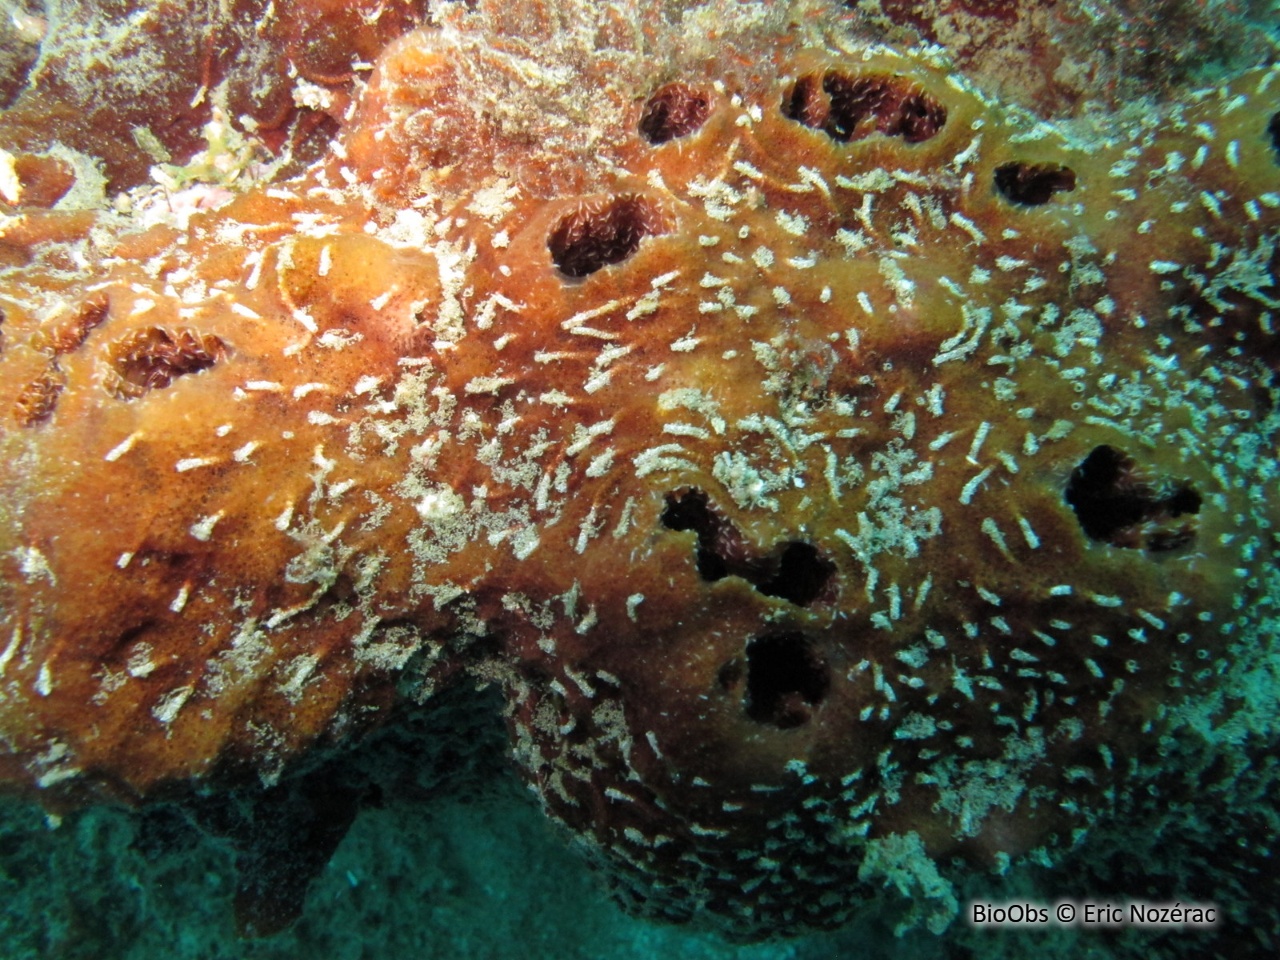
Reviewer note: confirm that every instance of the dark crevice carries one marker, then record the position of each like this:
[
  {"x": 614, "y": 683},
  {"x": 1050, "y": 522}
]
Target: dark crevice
[
  {"x": 71, "y": 332},
  {"x": 153, "y": 358},
  {"x": 39, "y": 397},
  {"x": 806, "y": 104},
  {"x": 1033, "y": 184},
  {"x": 802, "y": 575},
  {"x": 849, "y": 107},
  {"x": 602, "y": 232},
  {"x": 1273, "y": 131},
  {"x": 786, "y": 679},
  {"x": 794, "y": 571},
  {"x": 720, "y": 547},
  {"x": 1119, "y": 503},
  {"x": 672, "y": 111}
]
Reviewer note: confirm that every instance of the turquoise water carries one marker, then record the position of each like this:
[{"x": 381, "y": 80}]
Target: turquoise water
[
  {"x": 461, "y": 878},
  {"x": 457, "y": 861}
]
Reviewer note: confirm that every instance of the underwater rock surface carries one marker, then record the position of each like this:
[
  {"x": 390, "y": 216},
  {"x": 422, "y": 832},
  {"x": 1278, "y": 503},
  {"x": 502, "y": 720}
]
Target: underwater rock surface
[{"x": 853, "y": 483}]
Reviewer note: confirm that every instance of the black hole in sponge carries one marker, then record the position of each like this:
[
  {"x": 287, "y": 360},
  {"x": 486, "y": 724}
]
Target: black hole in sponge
[
  {"x": 1097, "y": 493},
  {"x": 849, "y": 106},
  {"x": 807, "y": 102},
  {"x": 854, "y": 101},
  {"x": 600, "y": 233},
  {"x": 153, "y": 358},
  {"x": 691, "y": 510},
  {"x": 674, "y": 110},
  {"x": 796, "y": 571},
  {"x": 1273, "y": 131},
  {"x": 786, "y": 678},
  {"x": 1033, "y": 184},
  {"x": 920, "y": 117},
  {"x": 802, "y": 575},
  {"x": 1119, "y": 503}
]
